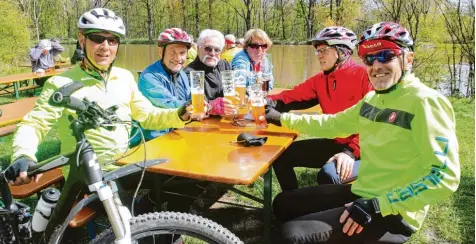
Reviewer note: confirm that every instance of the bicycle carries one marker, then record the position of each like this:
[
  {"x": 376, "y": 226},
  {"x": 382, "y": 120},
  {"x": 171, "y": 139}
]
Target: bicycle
[{"x": 85, "y": 171}]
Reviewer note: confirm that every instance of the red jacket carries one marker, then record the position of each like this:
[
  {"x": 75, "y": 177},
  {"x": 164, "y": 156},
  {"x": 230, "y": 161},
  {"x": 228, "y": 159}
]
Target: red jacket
[{"x": 335, "y": 92}]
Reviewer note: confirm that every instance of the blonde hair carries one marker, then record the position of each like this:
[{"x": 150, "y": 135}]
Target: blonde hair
[{"x": 256, "y": 34}]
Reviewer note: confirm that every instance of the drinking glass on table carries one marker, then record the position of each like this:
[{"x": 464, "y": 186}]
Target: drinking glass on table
[
  {"x": 228, "y": 83},
  {"x": 258, "y": 101},
  {"x": 265, "y": 80},
  {"x": 197, "y": 80},
  {"x": 240, "y": 77}
]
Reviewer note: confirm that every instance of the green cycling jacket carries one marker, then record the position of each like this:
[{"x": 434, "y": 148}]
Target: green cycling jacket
[
  {"x": 120, "y": 89},
  {"x": 409, "y": 150}
]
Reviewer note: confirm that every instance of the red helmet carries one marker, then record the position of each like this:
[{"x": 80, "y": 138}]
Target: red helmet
[
  {"x": 174, "y": 35},
  {"x": 336, "y": 35},
  {"x": 388, "y": 31}
]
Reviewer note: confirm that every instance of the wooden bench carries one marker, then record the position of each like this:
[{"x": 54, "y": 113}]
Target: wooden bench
[
  {"x": 51, "y": 178},
  {"x": 14, "y": 112},
  {"x": 23, "y": 88}
]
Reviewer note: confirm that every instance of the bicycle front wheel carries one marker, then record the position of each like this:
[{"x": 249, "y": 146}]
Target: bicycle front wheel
[{"x": 172, "y": 227}]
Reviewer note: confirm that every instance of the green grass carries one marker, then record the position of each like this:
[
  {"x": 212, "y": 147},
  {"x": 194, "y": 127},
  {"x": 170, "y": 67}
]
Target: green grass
[{"x": 450, "y": 221}]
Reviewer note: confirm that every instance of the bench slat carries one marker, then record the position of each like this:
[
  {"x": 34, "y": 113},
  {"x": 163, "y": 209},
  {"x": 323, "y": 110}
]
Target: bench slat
[{"x": 7, "y": 130}]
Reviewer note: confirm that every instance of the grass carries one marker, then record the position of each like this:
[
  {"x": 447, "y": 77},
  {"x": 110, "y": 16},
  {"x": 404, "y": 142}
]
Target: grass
[{"x": 449, "y": 221}]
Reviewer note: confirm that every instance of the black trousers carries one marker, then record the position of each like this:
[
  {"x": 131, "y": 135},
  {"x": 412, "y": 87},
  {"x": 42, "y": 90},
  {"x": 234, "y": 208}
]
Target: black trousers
[
  {"x": 312, "y": 153},
  {"x": 311, "y": 215}
]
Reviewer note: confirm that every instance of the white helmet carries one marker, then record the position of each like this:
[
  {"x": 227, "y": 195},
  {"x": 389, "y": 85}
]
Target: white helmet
[{"x": 102, "y": 19}]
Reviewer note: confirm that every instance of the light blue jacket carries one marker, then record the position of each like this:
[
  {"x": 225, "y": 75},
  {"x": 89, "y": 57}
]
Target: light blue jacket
[
  {"x": 241, "y": 61},
  {"x": 163, "y": 90}
]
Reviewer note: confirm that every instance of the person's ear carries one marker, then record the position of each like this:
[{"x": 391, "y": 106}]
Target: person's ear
[
  {"x": 81, "y": 39},
  {"x": 160, "y": 51},
  {"x": 409, "y": 57}
]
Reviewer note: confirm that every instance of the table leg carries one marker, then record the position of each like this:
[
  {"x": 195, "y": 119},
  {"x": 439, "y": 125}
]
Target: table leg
[
  {"x": 158, "y": 184},
  {"x": 15, "y": 88},
  {"x": 268, "y": 182}
]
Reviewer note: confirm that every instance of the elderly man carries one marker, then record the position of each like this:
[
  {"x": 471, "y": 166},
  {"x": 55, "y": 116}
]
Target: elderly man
[
  {"x": 409, "y": 154},
  {"x": 164, "y": 82},
  {"x": 42, "y": 57},
  {"x": 210, "y": 45},
  {"x": 230, "y": 47}
]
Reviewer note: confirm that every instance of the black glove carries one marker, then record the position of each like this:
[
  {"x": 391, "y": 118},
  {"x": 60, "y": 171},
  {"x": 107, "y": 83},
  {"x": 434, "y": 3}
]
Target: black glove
[
  {"x": 182, "y": 112},
  {"x": 20, "y": 164},
  {"x": 250, "y": 140},
  {"x": 363, "y": 210},
  {"x": 272, "y": 116}
]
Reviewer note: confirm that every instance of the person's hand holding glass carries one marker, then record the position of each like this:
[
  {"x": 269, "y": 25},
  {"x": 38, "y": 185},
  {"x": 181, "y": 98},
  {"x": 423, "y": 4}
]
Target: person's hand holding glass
[{"x": 258, "y": 102}]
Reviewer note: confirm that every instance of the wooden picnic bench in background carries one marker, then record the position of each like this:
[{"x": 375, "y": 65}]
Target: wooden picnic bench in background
[
  {"x": 11, "y": 84},
  {"x": 13, "y": 113}
]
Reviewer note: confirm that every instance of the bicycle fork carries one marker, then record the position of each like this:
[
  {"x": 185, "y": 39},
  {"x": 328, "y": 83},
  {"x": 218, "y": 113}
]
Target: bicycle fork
[{"x": 118, "y": 215}]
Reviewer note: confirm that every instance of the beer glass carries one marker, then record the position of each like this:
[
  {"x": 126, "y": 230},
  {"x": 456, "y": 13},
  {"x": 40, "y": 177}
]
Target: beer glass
[
  {"x": 228, "y": 84},
  {"x": 258, "y": 102},
  {"x": 240, "y": 77},
  {"x": 197, "y": 80},
  {"x": 266, "y": 79}
]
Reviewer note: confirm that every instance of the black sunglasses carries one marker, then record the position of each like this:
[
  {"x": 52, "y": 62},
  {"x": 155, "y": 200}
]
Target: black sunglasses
[
  {"x": 99, "y": 39},
  {"x": 256, "y": 46},
  {"x": 209, "y": 49},
  {"x": 383, "y": 57}
]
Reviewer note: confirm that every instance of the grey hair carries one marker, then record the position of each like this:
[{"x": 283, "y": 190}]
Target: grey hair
[{"x": 209, "y": 33}]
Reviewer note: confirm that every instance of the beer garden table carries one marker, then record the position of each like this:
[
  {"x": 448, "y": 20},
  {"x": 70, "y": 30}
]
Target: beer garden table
[{"x": 203, "y": 151}]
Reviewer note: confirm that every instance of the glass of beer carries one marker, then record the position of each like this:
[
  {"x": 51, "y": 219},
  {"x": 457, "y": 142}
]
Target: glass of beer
[
  {"x": 227, "y": 81},
  {"x": 240, "y": 77},
  {"x": 266, "y": 79},
  {"x": 257, "y": 105},
  {"x": 197, "y": 80}
]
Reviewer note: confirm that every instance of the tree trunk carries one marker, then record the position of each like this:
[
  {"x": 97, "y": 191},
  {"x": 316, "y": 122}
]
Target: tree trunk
[
  {"x": 283, "y": 27},
  {"x": 210, "y": 14},
  {"x": 184, "y": 13},
  {"x": 197, "y": 19},
  {"x": 149, "y": 20}
]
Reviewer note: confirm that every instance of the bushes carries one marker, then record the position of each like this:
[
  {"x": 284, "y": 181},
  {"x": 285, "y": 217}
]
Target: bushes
[{"x": 15, "y": 36}]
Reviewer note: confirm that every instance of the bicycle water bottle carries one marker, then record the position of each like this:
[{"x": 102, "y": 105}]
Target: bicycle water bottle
[{"x": 44, "y": 208}]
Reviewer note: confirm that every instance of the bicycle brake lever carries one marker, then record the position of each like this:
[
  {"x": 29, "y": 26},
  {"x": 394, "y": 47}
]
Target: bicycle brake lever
[{"x": 132, "y": 168}]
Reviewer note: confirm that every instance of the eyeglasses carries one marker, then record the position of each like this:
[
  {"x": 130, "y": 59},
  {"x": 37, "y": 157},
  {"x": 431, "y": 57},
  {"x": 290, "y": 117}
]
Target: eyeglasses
[
  {"x": 322, "y": 50},
  {"x": 209, "y": 49},
  {"x": 99, "y": 39},
  {"x": 383, "y": 57},
  {"x": 256, "y": 46}
]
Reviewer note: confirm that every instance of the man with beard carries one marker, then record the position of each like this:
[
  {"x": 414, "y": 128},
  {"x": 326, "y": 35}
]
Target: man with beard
[
  {"x": 164, "y": 82},
  {"x": 210, "y": 45}
]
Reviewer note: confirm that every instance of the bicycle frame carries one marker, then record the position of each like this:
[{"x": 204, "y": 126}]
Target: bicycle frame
[{"x": 85, "y": 172}]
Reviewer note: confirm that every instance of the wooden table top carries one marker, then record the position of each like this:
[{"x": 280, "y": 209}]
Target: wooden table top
[
  {"x": 203, "y": 150},
  {"x": 27, "y": 76},
  {"x": 15, "y": 111},
  {"x": 57, "y": 64}
]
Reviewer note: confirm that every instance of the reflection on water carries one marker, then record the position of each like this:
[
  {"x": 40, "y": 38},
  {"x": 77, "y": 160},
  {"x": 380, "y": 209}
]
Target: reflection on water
[{"x": 292, "y": 64}]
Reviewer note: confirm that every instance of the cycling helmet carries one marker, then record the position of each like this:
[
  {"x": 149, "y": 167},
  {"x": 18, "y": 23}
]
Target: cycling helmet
[
  {"x": 336, "y": 35},
  {"x": 101, "y": 19},
  {"x": 174, "y": 35},
  {"x": 388, "y": 31}
]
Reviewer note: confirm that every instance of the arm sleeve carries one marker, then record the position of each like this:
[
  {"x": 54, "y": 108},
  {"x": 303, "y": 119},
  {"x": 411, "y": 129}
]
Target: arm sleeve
[
  {"x": 149, "y": 116},
  {"x": 303, "y": 92},
  {"x": 153, "y": 88},
  {"x": 35, "y": 53},
  {"x": 36, "y": 124},
  {"x": 353, "y": 146},
  {"x": 342, "y": 124},
  {"x": 434, "y": 134},
  {"x": 240, "y": 62}
]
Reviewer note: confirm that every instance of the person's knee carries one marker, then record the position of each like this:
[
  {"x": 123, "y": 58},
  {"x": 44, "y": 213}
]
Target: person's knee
[
  {"x": 328, "y": 175},
  {"x": 280, "y": 206}
]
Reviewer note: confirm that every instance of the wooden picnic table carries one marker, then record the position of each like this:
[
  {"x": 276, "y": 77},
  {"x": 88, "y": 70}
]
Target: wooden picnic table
[
  {"x": 57, "y": 64},
  {"x": 204, "y": 151},
  {"x": 14, "y": 112},
  {"x": 13, "y": 80}
]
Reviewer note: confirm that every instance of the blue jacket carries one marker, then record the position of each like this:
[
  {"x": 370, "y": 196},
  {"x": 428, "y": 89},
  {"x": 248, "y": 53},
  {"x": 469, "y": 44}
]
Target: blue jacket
[
  {"x": 242, "y": 61},
  {"x": 163, "y": 90}
]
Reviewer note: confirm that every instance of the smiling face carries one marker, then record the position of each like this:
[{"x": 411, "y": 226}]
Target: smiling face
[
  {"x": 100, "y": 54},
  {"x": 385, "y": 75},
  {"x": 327, "y": 56},
  {"x": 209, "y": 52},
  {"x": 175, "y": 56},
  {"x": 256, "y": 50}
]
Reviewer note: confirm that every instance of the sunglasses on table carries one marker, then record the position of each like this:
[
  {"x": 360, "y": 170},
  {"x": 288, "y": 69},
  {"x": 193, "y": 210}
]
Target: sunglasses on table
[
  {"x": 209, "y": 49},
  {"x": 99, "y": 39},
  {"x": 256, "y": 46},
  {"x": 383, "y": 57}
]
